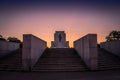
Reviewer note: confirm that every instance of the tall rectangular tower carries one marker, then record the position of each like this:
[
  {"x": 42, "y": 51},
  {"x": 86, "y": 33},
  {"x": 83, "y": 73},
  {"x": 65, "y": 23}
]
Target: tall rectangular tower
[{"x": 60, "y": 40}]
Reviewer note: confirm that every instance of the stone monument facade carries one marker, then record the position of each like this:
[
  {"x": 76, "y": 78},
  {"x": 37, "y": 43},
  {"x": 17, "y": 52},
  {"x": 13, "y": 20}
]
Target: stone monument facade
[{"x": 59, "y": 40}]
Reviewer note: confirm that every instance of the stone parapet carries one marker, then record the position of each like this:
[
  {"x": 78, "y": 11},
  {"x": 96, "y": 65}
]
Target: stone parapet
[
  {"x": 33, "y": 47},
  {"x": 87, "y": 49},
  {"x": 6, "y": 47},
  {"x": 112, "y": 46}
]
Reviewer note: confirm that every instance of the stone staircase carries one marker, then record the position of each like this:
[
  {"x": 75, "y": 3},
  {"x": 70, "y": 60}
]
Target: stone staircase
[
  {"x": 12, "y": 61},
  {"x": 107, "y": 61},
  {"x": 60, "y": 59}
]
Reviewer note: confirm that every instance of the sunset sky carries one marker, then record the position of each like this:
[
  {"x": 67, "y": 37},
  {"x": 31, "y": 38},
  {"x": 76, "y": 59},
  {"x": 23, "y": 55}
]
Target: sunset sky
[{"x": 43, "y": 17}]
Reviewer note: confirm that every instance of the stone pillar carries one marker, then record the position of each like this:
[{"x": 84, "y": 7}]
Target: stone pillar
[
  {"x": 33, "y": 47},
  {"x": 87, "y": 49}
]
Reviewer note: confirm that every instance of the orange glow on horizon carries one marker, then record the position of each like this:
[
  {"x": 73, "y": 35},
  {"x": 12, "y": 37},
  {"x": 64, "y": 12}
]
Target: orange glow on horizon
[
  {"x": 69, "y": 38},
  {"x": 44, "y": 23}
]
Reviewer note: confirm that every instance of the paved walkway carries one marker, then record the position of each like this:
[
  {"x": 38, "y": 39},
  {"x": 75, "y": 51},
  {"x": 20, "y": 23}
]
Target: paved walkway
[{"x": 99, "y": 75}]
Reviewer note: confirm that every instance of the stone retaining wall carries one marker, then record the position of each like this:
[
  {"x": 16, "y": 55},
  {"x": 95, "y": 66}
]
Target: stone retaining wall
[
  {"x": 6, "y": 47},
  {"x": 33, "y": 47},
  {"x": 112, "y": 46},
  {"x": 87, "y": 49}
]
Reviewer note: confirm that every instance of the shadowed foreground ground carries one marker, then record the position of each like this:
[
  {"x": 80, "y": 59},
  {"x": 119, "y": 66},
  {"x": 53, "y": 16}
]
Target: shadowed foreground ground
[{"x": 99, "y": 75}]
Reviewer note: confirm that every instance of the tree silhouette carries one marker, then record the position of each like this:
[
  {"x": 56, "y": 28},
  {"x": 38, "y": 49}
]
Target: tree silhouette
[
  {"x": 13, "y": 39},
  {"x": 1, "y": 38},
  {"x": 113, "y": 35}
]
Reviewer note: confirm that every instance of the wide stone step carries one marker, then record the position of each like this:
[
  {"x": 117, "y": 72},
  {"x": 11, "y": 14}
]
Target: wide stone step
[
  {"x": 60, "y": 70},
  {"x": 60, "y": 63},
  {"x": 54, "y": 67},
  {"x": 58, "y": 67},
  {"x": 11, "y": 69},
  {"x": 108, "y": 68}
]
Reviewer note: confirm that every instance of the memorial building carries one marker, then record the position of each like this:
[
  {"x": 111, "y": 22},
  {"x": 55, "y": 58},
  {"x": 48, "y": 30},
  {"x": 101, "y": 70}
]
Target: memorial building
[{"x": 59, "y": 40}]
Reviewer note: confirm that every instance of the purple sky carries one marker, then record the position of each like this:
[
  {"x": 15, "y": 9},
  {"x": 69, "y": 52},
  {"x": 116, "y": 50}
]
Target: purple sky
[{"x": 43, "y": 20}]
